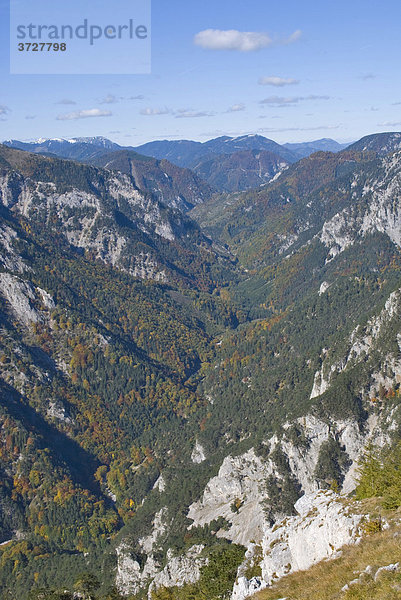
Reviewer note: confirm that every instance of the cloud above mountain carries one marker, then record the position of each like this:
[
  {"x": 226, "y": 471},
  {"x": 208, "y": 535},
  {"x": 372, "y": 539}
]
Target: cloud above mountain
[
  {"x": 285, "y": 129},
  {"x": 389, "y": 124},
  {"x": 84, "y": 114}
]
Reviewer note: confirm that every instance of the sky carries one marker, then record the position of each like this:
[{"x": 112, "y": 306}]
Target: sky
[{"x": 292, "y": 71}]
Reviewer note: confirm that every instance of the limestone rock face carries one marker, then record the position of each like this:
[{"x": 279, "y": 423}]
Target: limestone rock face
[
  {"x": 178, "y": 571},
  {"x": 57, "y": 411},
  {"x": 129, "y": 577},
  {"x": 21, "y": 296},
  {"x": 28, "y": 304},
  {"x": 9, "y": 258},
  {"x": 160, "y": 525},
  {"x": 87, "y": 219},
  {"x": 243, "y": 587},
  {"x": 160, "y": 483},
  {"x": 242, "y": 480},
  {"x": 239, "y": 478},
  {"x": 323, "y": 288},
  {"x": 381, "y": 213},
  {"x": 359, "y": 345},
  {"x": 322, "y": 526},
  {"x": 198, "y": 454}
]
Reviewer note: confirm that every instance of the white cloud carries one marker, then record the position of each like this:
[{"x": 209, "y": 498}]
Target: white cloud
[
  {"x": 181, "y": 113},
  {"x": 139, "y": 97},
  {"x": 4, "y": 110},
  {"x": 84, "y": 114},
  {"x": 314, "y": 97},
  {"x": 190, "y": 114},
  {"x": 281, "y": 101},
  {"x": 236, "y": 108},
  {"x": 66, "y": 101},
  {"x": 244, "y": 41},
  {"x": 151, "y": 112},
  {"x": 277, "y": 81},
  {"x": 389, "y": 124},
  {"x": 284, "y": 129},
  {"x": 109, "y": 99},
  {"x": 219, "y": 132},
  {"x": 30, "y": 117}
]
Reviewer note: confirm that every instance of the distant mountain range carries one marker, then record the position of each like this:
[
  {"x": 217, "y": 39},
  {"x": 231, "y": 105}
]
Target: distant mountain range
[
  {"x": 188, "y": 153},
  {"x": 174, "y": 186},
  {"x": 305, "y": 149},
  {"x": 75, "y": 148},
  {"x": 223, "y": 164}
]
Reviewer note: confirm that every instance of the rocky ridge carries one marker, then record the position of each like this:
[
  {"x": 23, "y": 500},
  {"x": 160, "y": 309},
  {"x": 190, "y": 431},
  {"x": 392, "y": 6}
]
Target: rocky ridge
[
  {"x": 361, "y": 343},
  {"x": 240, "y": 495},
  {"x": 322, "y": 526},
  {"x": 99, "y": 212}
]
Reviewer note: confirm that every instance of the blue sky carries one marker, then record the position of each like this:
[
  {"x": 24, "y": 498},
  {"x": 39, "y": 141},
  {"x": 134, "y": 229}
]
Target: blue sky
[{"x": 292, "y": 71}]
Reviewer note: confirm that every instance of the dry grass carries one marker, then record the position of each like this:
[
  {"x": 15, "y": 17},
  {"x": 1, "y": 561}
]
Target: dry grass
[{"x": 325, "y": 580}]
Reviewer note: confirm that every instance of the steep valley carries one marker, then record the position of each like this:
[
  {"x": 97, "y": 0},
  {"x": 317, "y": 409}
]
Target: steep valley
[{"x": 189, "y": 401}]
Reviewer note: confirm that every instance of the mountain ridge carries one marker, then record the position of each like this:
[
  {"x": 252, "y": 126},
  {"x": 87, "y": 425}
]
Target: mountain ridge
[
  {"x": 182, "y": 189},
  {"x": 227, "y": 163}
]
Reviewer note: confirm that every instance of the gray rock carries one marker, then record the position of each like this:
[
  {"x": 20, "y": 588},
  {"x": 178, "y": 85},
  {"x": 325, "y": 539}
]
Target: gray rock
[
  {"x": 20, "y": 296},
  {"x": 389, "y": 569},
  {"x": 198, "y": 454}
]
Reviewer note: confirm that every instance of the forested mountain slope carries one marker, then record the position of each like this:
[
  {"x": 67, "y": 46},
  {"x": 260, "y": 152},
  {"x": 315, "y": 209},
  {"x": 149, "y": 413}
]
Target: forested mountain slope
[
  {"x": 96, "y": 358},
  {"x": 154, "y": 428},
  {"x": 382, "y": 143},
  {"x": 187, "y": 153},
  {"x": 104, "y": 213},
  {"x": 304, "y": 149},
  {"x": 172, "y": 185},
  {"x": 175, "y": 186},
  {"x": 241, "y": 170}
]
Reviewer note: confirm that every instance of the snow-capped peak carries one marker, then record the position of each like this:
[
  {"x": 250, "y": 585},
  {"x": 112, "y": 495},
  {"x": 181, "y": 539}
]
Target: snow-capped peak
[{"x": 44, "y": 140}]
